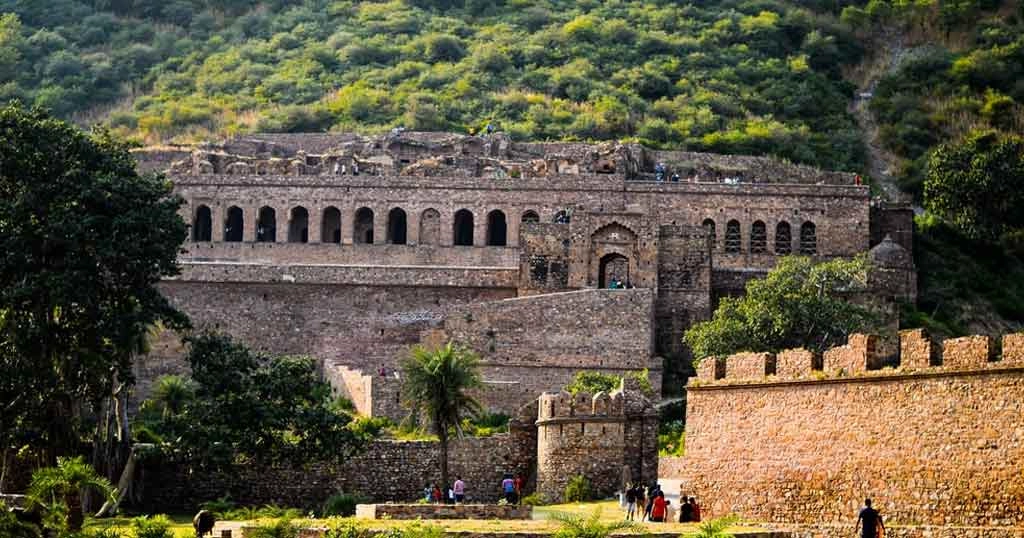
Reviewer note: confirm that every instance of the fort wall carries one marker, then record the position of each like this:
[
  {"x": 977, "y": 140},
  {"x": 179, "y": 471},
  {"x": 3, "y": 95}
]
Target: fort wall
[{"x": 932, "y": 445}]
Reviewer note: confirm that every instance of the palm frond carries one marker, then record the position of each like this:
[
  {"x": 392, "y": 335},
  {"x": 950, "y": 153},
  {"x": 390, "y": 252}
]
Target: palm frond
[{"x": 715, "y": 528}]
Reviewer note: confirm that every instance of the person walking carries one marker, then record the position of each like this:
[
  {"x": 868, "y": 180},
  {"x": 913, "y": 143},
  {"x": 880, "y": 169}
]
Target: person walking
[
  {"x": 658, "y": 508},
  {"x": 685, "y": 510},
  {"x": 695, "y": 509},
  {"x": 459, "y": 488},
  {"x": 508, "y": 487},
  {"x": 630, "y": 502},
  {"x": 869, "y": 521},
  {"x": 518, "y": 483}
]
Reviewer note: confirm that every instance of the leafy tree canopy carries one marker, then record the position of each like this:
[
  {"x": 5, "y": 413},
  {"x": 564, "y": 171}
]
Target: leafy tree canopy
[
  {"x": 978, "y": 184},
  {"x": 247, "y": 405},
  {"x": 594, "y": 382},
  {"x": 799, "y": 303},
  {"x": 84, "y": 238}
]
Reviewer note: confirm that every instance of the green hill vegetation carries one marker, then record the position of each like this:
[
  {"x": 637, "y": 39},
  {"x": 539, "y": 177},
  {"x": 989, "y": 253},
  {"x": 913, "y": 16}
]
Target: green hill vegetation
[{"x": 769, "y": 77}]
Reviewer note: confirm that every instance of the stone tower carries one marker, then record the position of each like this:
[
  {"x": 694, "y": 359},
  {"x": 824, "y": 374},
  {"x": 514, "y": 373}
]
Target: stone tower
[{"x": 596, "y": 436}]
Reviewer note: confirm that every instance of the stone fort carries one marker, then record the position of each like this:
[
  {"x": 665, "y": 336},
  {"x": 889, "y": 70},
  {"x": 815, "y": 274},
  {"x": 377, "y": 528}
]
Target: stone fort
[{"x": 353, "y": 248}]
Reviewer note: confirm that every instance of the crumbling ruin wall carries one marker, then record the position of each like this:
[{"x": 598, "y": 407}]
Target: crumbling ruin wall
[{"x": 933, "y": 445}]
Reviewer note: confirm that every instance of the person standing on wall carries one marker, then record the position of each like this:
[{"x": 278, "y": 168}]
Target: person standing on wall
[{"x": 870, "y": 522}]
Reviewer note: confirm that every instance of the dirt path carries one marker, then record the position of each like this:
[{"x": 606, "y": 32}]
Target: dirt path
[{"x": 889, "y": 51}]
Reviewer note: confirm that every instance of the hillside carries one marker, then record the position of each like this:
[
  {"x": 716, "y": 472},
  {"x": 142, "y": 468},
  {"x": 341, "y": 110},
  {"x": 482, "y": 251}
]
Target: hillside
[{"x": 869, "y": 87}]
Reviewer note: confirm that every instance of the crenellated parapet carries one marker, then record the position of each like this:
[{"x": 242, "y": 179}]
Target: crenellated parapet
[{"x": 860, "y": 356}]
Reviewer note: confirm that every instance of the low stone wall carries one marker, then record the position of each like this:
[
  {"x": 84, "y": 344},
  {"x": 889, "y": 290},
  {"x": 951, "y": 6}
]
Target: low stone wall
[
  {"x": 384, "y": 471},
  {"x": 443, "y": 511},
  {"x": 903, "y": 531}
]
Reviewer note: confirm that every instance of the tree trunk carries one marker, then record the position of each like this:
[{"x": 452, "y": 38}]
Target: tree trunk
[
  {"x": 442, "y": 436},
  {"x": 3, "y": 469},
  {"x": 76, "y": 517},
  {"x": 124, "y": 485}
]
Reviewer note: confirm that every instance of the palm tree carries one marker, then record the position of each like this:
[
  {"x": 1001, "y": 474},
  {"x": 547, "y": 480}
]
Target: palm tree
[
  {"x": 63, "y": 485},
  {"x": 715, "y": 528},
  {"x": 172, "y": 392},
  {"x": 573, "y": 526},
  {"x": 436, "y": 383}
]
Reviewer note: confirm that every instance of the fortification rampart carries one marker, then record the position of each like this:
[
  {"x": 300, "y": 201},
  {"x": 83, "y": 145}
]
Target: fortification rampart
[
  {"x": 354, "y": 275},
  {"x": 607, "y": 438},
  {"x": 936, "y": 441},
  {"x": 351, "y": 255}
]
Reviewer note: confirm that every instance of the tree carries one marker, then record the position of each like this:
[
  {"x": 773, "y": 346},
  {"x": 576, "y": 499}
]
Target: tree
[
  {"x": 85, "y": 238},
  {"x": 59, "y": 489},
  {"x": 978, "y": 184},
  {"x": 799, "y": 303},
  {"x": 251, "y": 406},
  {"x": 172, "y": 392},
  {"x": 436, "y": 383},
  {"x": 594, "y": 382}
]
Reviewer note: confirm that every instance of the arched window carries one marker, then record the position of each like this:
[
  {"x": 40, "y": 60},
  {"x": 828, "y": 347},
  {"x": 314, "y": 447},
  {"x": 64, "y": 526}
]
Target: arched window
[
  {"x": 562, "y": 217},
  {"x": 234, "y": 224},
  {"x": 783, "y": 239},
  {"x": 430, "y": 227},
  {"x": 709, "y": 229},
  {"x": 330, "y": 226},
  {"x": 396, "y": 226},
  {"x": 733, "y": 243},
  {"x": 202, "y": 225},
  {"x": 497, "y": 229},
  {"x": 462, "y": 228},
  {"x": 362, "y": 231},
  {"x": 808, "y": 239},
  {"x": 530, "y": 216},
  {"x": 298, "y": 225},
  {"x": 758, "y": 238},
  {"x": 266, "y": 225}
]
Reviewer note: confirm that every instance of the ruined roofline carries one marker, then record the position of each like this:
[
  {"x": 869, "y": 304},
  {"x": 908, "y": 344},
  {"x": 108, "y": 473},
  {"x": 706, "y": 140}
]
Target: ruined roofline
[
  {"x": 428, "y": 154},
  {"x": 860, "y": 357}
]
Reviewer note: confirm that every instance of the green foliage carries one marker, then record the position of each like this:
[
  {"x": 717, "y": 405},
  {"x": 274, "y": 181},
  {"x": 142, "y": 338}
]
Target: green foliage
[
  {"x": 282, "y": 528},
  {"x": 346, "y": 529},
  {"x": 86, "y": 238},
  {"x": 270, "y": 409},
  {"x": 369, "y": 427},
  {"x": 267, "y": 511},
  {"x": 436, "y": 385},
  {"x": 578, "y": 490},
  {"x": 158, "y": 526},
  {"x": 219, "y": 506},
  {"x": 58, "y": 491},
  {"x": 10, "y": 527},
  {"x": 672, "y": 439},
  {"x": 575, "y": 526},
  {"x": 340, "y": 504},
  {"x": 534, "y": 499},
  {"x": 602, "y": 69},
  {"x": 594, "y": 382},
  {"x": 415, "y": 530},
  {"x": 978, "y": 184},
  {"x": 485, "y": 424},
  {"x": 715, "y": 528},
  {"x": 799, "y": 303}
]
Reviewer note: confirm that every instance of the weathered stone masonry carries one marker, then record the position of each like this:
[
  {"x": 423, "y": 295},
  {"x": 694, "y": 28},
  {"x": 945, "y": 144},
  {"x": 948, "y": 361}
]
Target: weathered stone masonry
[{"x": 932, "y": 444}]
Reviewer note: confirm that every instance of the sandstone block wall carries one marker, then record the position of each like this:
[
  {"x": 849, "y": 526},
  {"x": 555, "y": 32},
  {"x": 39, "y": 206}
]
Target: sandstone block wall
[
  {"x": 916, "y": 350},
  {"x": 967, "y": 352},
  {"x": 750, "y": 365},
  {"x": 384, "y": 471},
  {"x": 795, "y": 363},
  {"x": 1013, "y": 348},
  {"x": 856, "y": 356},
  {"x": 711, "y": 369}
]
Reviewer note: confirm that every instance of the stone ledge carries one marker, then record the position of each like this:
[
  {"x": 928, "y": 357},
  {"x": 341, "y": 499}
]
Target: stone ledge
[
  {"x": 995, "y": 368},
  {"x": 443, "y": 511}
]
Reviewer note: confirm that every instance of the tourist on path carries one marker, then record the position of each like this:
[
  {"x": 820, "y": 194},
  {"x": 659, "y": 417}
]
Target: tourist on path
[
  {"x": 460, "y": 490},
  {"x": 518, "y": 483},
  {"x": 436, "y": 494},
  {"x": 870, "y": 521},
  {"x": 685, "y": 510},
  {"x": 508, "y": 487},
  {"x": 658, "y": 508},
  {"x": 631, "y": 491},
  {"x": 696, "y": 510}
]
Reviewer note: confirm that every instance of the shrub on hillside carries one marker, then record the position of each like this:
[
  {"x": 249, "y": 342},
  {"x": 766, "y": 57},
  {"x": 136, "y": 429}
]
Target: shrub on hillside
[{"x": 340, "y": 504}]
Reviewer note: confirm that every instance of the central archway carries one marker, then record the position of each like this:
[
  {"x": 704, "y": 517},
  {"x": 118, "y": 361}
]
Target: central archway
[{"x": 613, "y": 266}]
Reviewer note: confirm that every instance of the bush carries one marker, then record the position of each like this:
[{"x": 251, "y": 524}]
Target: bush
[
  {"x": 369, "y": 427},
  {"x": 534, "y": 499},
  {"x": 158, "y": 526},
  {"x": 340, "y": 504},
  {"x": 346, "y": 530},
  {"x": 282, "y": 528},
  {"x": 578, "y": 490},
  {"x": 220, "y": 506}
]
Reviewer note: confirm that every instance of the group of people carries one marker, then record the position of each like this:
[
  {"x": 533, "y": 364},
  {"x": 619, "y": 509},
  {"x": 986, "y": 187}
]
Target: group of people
[
  {"x": 650, "y": 504},
  {"x": 660, "y": 172},
  {"x": 452, "y": 494},
  {"x": 617, "y": 284},
  {"x": 512, "y": 488}
]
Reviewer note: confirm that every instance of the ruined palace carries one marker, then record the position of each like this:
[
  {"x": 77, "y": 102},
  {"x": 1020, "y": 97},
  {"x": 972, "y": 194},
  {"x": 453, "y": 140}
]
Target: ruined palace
[{"x": 351, "y": 249}]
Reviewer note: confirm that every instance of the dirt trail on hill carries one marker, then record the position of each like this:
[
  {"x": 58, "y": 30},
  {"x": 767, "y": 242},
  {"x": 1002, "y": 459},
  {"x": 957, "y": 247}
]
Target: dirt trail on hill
[{"x": 890, "y": 50}]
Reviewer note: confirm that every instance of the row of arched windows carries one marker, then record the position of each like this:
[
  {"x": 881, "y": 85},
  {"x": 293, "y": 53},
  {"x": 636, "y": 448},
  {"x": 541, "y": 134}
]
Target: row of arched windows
[
  {"x": 732, "y": 242},
  {"x": 362, "y": 226}
]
